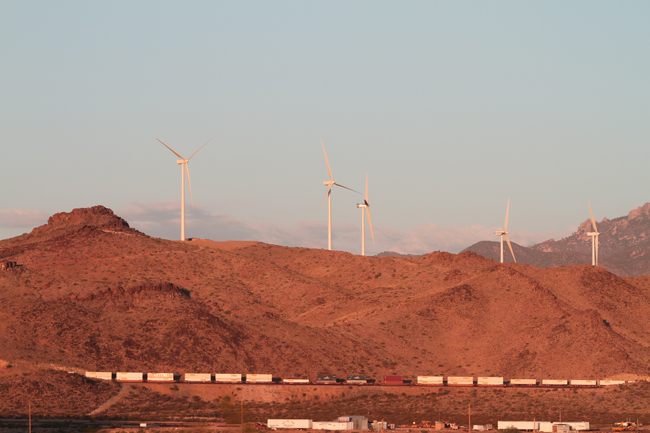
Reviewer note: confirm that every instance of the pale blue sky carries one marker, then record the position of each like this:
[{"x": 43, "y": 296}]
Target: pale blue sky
[{"x": 450, "y": 107}]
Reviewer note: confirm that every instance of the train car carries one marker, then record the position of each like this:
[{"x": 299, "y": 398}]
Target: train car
[
  {"x": 579, "y": 382},
  {"x": 393, "y": 380},
  {"x": 326, "y": 380},
  {"x": 295, "y": 381},
  {"x": 607, "y": 382},
  {"x": 160, "y": 377},
  {"x": 357, "y": 380},
  {"x": 460, "y": 381},
  {"x": 259, "y": 378},
  {"x": 523, "y": 382},
  {"x": 103, "y": 375},
  {"x": 128, "y": 377},
  {"x": 430, "y": 380},
  {"x": 554, "y": 382},
  {"x": 227, "y": 378},
  {"x": 490, "y": 381},
  {"x": 198, "y": 377}
]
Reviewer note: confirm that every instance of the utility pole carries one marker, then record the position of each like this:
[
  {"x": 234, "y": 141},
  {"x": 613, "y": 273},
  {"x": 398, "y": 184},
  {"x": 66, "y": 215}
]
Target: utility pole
[
  {"x": 30, "y": 417},
  {"x": 242, "y": 416},
  {"x": 469, "y": 416}
]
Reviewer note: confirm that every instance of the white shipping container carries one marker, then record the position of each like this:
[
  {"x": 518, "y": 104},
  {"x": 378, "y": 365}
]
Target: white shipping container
[
  {"x": 332, "y": 425},
  {"x": 128, "y": 377},
  {"x": 160, "y": 377},
  {"x": 519, "y": 425},
  {"x": 579, "y": 382},
  {"x": 198, "y": 377},
  {"x": 605, "y": 382},
  {"x": 103, "y": 375},
  {"x": 457, "y": 380},
  {"x": 228, "y": 378},
  {"x": 290, "y": 423},
  {"x": 430, "y": 380},
  {"x": 523, "y": 381},
  {"x": 259, "y": 378},
  {"x": 295, "y": 381},
  {"x": 554, "y": 382},
  {"x": 545, "y": 426},
  {"x": 583, "y": 425},
  {"x": 490, "y": 380}
]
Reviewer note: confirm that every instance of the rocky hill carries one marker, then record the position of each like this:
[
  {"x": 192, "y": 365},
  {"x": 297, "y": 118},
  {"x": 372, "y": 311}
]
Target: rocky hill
[
  {"x": 624, "y": 246},
  {"x": 92, "y": 293}
]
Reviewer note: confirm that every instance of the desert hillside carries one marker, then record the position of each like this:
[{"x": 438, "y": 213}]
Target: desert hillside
[{"x": 91, "y": 293}]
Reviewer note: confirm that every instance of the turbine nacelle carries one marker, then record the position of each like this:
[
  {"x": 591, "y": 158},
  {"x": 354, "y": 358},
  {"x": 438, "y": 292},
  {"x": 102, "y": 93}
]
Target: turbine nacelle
[
  {"x": 500, "y": 233},
  {"x": 181, "y": 161},
  {"x": 328, "y": 182}
]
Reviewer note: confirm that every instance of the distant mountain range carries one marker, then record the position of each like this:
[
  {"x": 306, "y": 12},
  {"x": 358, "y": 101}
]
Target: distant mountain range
[{"x": 624, "y": 246}]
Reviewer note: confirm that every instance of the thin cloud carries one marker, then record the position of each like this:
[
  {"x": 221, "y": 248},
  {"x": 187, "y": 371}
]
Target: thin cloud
[
  {"x": 19, "y": 218},
  {"x": 162, "y": 219}
]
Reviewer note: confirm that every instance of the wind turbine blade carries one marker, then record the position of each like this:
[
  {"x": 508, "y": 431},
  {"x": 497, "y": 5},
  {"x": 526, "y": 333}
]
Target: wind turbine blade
[
  {"x": 321, "y": 202},
  {"x": 510, "y": 246},
  {"x": 505, "y": 225},
  {"x": 171, "y": 149},
  {"x": 199, "y": 149},
  {"x": 370, "y": 223},
  {"x": 366, "y": 188},
  {"x": 338, "y": 184},
  {"x": 593, "y": 221},
  {"x": 328, "y": 163},
  {"x": 187, "y": 171}
]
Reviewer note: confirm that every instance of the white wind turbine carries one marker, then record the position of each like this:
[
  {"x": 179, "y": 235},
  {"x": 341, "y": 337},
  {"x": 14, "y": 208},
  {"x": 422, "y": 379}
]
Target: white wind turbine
[
  {"x": 329, "y": 184},
  {"x": 184, "y": 169},
  {"x": 365, "y": 205},
  {"x": 594, "y": 239},
  {"x": 505, "y": 233}
]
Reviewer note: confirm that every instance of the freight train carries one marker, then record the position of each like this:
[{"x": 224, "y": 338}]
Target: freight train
[{"x": 357, "y": 380}]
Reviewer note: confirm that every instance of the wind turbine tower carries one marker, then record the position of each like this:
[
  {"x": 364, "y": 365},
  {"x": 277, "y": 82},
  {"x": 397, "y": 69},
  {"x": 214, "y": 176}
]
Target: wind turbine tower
[
  {"x": 184, "y": 169},
  {"x": 594, "y": 239},
  {"x": 365, "y": 205},
  {"x": 329, "y": 184},
  {"x": 505, "y": 233}
]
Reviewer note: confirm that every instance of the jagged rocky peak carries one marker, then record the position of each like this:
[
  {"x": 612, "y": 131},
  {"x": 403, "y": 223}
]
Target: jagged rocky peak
[
  {"x": 641, "y": 211},
  {"x": 99, "y": 217}
]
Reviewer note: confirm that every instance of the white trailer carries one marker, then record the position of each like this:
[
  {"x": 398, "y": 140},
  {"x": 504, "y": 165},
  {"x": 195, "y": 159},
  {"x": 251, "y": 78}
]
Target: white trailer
[
  {"x": 554, "y": 382},
  {"x": 430, "y": 380},
  {"x": 160, "y": 377},
  {"x": 580, "y": 382},
  {"x": 606, "y": 382},
  {"x": 332, "y": 425},
  {"x": 227, "y": 378},
  {"x": 128, "y": 377},
  {"x": 103, "y": 375},
  {"x": 290, "y": 423},
  {"x": 523, "y": 382},
  {"x": 259, "y": 378},
  {"x": 519, "y": 425},
  {"x": 198, "y": 377},
  {"x": 458, "y": 380},
  {"x": 490, "y": 381},
  {"x": 295, "y": 382},
  {"x": 582, "y": 425}
]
